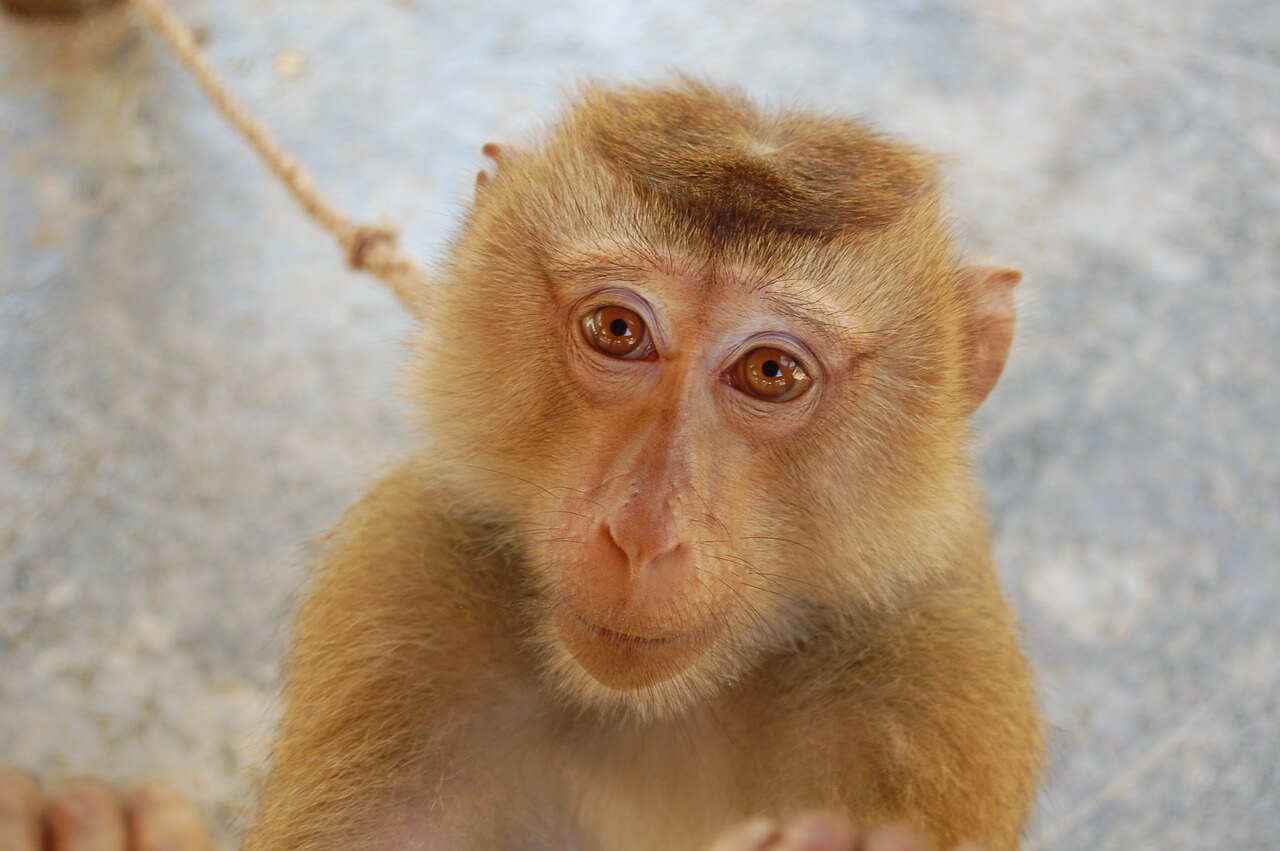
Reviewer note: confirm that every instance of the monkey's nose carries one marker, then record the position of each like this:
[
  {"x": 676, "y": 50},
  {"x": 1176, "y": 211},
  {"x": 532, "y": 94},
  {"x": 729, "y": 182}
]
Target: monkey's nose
[
  {"x": 641, "y": 572},
  {"x": 631, "y": 585},
  {"x": 642, "y": 544}
]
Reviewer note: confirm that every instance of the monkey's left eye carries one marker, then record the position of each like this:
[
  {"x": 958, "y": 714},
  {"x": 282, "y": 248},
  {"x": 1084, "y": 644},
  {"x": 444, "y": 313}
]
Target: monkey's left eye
[
  {"x": 771, "y": 374},
  {"x": 618, "y": 332}
]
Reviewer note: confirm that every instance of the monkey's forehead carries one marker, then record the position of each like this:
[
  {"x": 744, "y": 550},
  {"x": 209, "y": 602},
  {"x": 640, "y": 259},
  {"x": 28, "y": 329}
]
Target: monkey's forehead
[{"x": 716, "y": 160}]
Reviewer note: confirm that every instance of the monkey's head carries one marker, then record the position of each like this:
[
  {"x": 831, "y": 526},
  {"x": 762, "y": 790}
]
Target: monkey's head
[{"x": 711, "y": 368}]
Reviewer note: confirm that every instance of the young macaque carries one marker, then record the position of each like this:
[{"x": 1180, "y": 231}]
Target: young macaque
[{"x": 695, "y": 540}]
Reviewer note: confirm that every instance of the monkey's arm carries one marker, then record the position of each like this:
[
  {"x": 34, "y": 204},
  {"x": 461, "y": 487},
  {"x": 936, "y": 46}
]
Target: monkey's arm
[
  {"x": 938, "y": 714},
  {"x": 392, "y": 649}
]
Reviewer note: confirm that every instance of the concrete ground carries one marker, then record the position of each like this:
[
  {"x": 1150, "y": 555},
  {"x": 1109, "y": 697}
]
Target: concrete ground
[{"x": 191, "y": 386}]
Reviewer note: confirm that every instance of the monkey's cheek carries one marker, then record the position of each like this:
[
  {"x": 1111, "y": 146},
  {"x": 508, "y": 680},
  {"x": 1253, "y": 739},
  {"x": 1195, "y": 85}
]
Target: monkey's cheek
[{"x": 629, "y": 663}]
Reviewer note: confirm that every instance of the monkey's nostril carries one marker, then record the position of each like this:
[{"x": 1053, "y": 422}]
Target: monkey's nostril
[{"x": 611, "y": 541}]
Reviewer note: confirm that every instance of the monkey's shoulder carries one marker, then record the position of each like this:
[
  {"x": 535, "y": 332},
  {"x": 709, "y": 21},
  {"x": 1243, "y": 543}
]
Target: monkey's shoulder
[
  {"x": 871, "y": 655},
  {"x": 402, "y": 566}
]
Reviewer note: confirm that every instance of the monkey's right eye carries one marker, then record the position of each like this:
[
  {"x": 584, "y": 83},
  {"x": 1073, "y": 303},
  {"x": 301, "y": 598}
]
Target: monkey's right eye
[{"x": 618, "y": 332}]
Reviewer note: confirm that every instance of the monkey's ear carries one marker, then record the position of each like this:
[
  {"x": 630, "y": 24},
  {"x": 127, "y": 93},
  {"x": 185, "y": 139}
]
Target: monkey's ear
[
  {"x": 497, "y": 154},
  {"x": 991, "y": 323}
]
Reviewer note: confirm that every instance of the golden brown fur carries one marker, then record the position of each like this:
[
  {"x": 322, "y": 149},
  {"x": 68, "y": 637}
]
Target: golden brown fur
[
  {"x": 720, "y": 165},
  {"x": 864, "y": 660}
]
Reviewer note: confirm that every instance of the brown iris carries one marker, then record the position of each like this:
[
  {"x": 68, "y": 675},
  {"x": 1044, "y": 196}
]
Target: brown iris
[
  {"x": 618, "y": 332},
  {"x": 771, "y": 374}
]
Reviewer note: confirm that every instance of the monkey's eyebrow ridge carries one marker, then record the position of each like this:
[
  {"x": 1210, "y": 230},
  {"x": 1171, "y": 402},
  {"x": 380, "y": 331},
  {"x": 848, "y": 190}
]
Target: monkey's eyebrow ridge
[{"x": 837, "y": 325}]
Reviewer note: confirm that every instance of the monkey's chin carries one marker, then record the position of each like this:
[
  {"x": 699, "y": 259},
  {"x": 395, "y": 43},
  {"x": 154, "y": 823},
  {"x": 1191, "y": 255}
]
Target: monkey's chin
[{"x": 628, "y": 662}]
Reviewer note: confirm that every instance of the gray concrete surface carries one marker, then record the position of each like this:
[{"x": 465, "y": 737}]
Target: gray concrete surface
[{"x": 191, "y": 386}]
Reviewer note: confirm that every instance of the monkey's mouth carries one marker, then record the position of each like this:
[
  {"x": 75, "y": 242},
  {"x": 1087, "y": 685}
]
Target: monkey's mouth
[
  {"x": 629, "y": 660},
  {"x": 629, "y": 639}
]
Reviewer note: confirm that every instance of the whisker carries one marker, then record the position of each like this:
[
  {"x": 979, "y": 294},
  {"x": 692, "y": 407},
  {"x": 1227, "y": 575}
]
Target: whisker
[
  {"x": 782, "y": 577},
  {"x": 785, "y": 541},
  {"x": 528, "y": 482}
]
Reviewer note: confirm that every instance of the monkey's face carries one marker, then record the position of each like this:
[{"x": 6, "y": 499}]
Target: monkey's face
[
  {"x": 682, "y": 390},
  {"x": 712, "y": 371},
  {"x": 695, "y": 462}
]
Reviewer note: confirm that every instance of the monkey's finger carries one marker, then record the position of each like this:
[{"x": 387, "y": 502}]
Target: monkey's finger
[
  {"x": 894, "y": 838},
  {"x": 86, "y": 817},
  {"x": 20, "y": 805},
  {"x": 819, "y": 832},
  {"x": 162, "y": 820},
  {"x": 755, "y": 835}
]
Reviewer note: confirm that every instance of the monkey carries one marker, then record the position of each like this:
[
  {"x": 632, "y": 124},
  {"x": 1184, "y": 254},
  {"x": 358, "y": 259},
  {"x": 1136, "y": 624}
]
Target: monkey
[{"x": 691, "y": 542}]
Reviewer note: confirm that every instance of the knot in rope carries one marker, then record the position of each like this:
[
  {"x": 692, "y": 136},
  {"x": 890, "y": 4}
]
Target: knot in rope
[
  {"x": 365, "y": 239},
  {"x": 372, "y": 248}
]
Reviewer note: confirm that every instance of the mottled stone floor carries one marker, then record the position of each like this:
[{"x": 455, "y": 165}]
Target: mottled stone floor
[{"x": 191, "y": 386}]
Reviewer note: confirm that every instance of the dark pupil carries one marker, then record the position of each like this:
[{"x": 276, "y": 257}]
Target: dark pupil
[
  {"x": 618, "y": 327},
  {"x": 771, "y": 369}
]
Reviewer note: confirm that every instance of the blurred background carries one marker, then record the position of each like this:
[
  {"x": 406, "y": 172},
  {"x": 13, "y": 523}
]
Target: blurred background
[{"x": 192, "y": 387}]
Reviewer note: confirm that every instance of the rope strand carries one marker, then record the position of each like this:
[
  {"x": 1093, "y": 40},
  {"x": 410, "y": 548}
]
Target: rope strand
[{"x": 372, "y": 248}]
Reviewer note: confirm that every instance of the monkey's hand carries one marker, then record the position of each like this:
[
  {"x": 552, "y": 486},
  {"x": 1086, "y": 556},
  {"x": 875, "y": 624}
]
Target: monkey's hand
[
  {"x": 90, "y": 817},
  {"x": 820, "y": 832}
]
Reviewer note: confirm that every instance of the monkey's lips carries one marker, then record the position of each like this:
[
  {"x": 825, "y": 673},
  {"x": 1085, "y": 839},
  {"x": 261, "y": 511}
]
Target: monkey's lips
[{"x": 628, "y": 660}]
